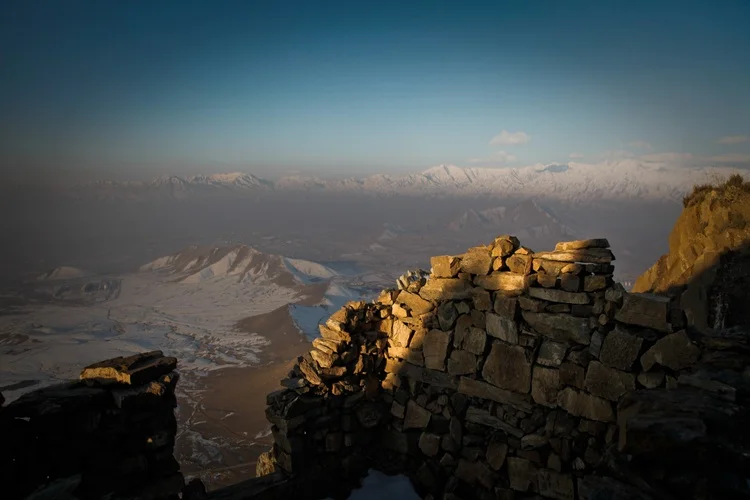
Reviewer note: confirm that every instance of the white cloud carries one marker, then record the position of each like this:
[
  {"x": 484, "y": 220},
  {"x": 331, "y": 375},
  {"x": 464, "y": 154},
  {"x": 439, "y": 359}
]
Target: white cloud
[
  {"x": 640, "y": 145},
  {"x": 577, "y": 155},
  {"x": 506, "y": 138},
  {"x": 734, "y": 139},
  {"x": 496, "y": 158},
  {"x": 729, "y": 158}
]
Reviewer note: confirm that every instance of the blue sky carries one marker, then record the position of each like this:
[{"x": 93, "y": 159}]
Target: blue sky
[{"x": 112, "y": 87}]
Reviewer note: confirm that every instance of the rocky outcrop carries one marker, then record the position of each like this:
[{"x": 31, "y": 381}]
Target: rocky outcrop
[
  {"x": 514, "y": 374},
  {"x": 708, "y": 263},
  {"x": 109, "y": 435}
]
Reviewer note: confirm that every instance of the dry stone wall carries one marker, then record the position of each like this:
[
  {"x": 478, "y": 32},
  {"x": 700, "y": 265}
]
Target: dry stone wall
[
  {"x": 109, "y": 435},
  {"x": 505, "y": 373}
]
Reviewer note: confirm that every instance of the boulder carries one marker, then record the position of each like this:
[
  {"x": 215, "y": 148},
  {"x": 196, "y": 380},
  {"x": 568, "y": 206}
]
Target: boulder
[
  {"x": 545, "y": 385},
  {"x": 445, "y": 266},
  {"x": 620, "y": 349},
  {"x": 560, "y": 327},
  {"x": 562, "y": 296},
  {"x": 502, "y": 328},
  {"x": 581, "y": 404},
  {"x": 508, "y": 367},
  {"x": 435, "y": 349},
  {"x": 675, "y": 351},
  {"x": 130, "y": 370},
  {"x": 462, "y": 363},
  {"x": 510, "y": 283},
  {"x": 650, "y": 311},
  {"x": 477, "y": 261},
  {"x": 416, "y": 304},
  {"x": 608, "y": 383},
  {"x": 588, "y": 255},
  {"x": 438, "y": 289},
  {"x": 416, "y": 416},
  {"x": 565, "y": 246}
]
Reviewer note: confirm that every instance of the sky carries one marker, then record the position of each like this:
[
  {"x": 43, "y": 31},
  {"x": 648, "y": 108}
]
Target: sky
[{"x": 125, "y": 89}]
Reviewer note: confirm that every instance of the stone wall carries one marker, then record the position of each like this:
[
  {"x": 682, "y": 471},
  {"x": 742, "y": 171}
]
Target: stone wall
[
  {"x": 512, "y": 374},
  {"x": 109, "y": 435}
]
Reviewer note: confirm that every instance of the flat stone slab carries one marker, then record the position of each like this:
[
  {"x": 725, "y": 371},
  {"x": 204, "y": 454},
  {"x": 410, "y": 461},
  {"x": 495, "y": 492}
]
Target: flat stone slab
[
  {"x": 131, "y": 370},
  {"x": 588, "y": 256},
  {"x": 565, "y": 246}
]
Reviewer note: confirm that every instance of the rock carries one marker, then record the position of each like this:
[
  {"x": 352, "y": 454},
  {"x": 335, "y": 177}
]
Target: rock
[
  {"x": 508, "y": 367},
  {"x": 595, "y": 282},
  {"x": 463, "y": 327},
  {"x": 545, "y": 385},
  {"x": 566, "y": 246},
  {"x": 474, "y": 341},
  {"x": 589, "y": 255},
  {"x": 483, "y": 417},
  {"x": 521, "y": 473},
  {"x": 447, "y": 315},
  {"x": 519, "y": 264},
  {"x": 529, "y": 304},
  {"x": 265, "y": 466},
  {"x": 581, "y": 404},
  {"x": 511, "y": 283},
  {"x": 555, "y": 485},
  {"x": 554, "y": 295},
  {"x": 496, "y": 453},
  {"x": 324, "y": 359},
  {"x": 551, "y": 353},
  {"x": 557, "y": 308},
  {"x": 482, "y": 299},
  {"x": 466, "y": 471},
  {"x": 401, "y": 334},
  {"x": 595, "y": 346},
  {"x": 477, "y": 261},
  {"x": 483, "y": 390},
  {"x": 416, "y": 304},
  {"x": 560, "y": 327},
  {"x": 674, "y": 351},
  {"x": 439, "y": 289},
  {"x": 445, "y": 266},
  {"x": 545, "y": 279},
  {"x": 572, "y": 374},
  {"x": 502, "y": 328},
  {"x": 505, "y": 245},
  {"x": 430, "y": 377},
  {"x": 416, "y": 416},
  {"x": 505, "y": 306},
  {"x": 608, "y": 383},
  {"x": 435, "y": 349},
  {"x": 462, "y": 363},
  {"x": 651, "y": 380},
  {"x": 620, "y": 349},
  {"x": 398, "y": 410},
  {"x": 570, "y": 282},
  {"x": 429, "y": 444},
  {"x": 650, "y": 311},
  {"x": 131, "y": 370}
]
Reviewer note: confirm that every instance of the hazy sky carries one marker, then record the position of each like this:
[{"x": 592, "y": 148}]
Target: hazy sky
[{"x": 357, "y": 86}]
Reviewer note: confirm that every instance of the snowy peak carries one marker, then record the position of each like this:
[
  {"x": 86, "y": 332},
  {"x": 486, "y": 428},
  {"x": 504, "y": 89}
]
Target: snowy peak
[
  {"x": 624, "y": 180},
  {"x": 239, "y": 263}
]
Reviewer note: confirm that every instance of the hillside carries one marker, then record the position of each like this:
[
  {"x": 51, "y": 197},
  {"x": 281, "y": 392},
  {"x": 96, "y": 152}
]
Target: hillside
[{"x": 708, "y": 257}]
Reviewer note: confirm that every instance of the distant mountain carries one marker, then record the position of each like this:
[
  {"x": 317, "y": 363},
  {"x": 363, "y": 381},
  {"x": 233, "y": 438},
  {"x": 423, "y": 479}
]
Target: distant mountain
[
  {"x": 64, "y": 273},
  {"x": 527, "y": 220},
  {"x": 239, "y": 263},
  {"x": 173, "y": 187},
  {"x": 629, "y": 179}
]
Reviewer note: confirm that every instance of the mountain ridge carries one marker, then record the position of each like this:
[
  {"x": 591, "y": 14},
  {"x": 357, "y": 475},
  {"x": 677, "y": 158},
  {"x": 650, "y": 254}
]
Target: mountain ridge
[{"x": 620, "y": 180}]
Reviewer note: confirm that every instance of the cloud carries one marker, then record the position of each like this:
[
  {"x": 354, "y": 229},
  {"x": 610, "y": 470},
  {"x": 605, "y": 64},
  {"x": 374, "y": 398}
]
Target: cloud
[
  {"x": 640, "y": 145},
  {"x": 576, "y": 155},
  {"x": 496, "y": 158},
  {"x": 734, "y": 139},
  {"x": 506, "y": 138},
  {"x": 729, "y": 158}
]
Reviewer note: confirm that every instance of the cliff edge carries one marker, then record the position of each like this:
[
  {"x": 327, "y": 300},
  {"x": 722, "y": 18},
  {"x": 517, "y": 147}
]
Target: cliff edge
[{"x": 709, "y": 256}]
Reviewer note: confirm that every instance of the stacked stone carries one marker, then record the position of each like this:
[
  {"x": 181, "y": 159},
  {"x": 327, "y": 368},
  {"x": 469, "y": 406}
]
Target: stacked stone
[
  {"x": 331, "y": 400},
  {"x": 501, "y": 374},
  {"x": 505, "y": 367},
  {"x": 109, "y": 435}
]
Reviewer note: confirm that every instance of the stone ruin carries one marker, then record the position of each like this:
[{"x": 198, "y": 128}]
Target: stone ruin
[
  {"x": 502, "y": 374},
  {"x": 109, "y": 435},
  {"x": 514, "y": 374}
]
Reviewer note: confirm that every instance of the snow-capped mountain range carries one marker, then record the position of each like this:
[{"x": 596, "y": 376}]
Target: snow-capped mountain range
[{"x": 628, "y": 179}]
